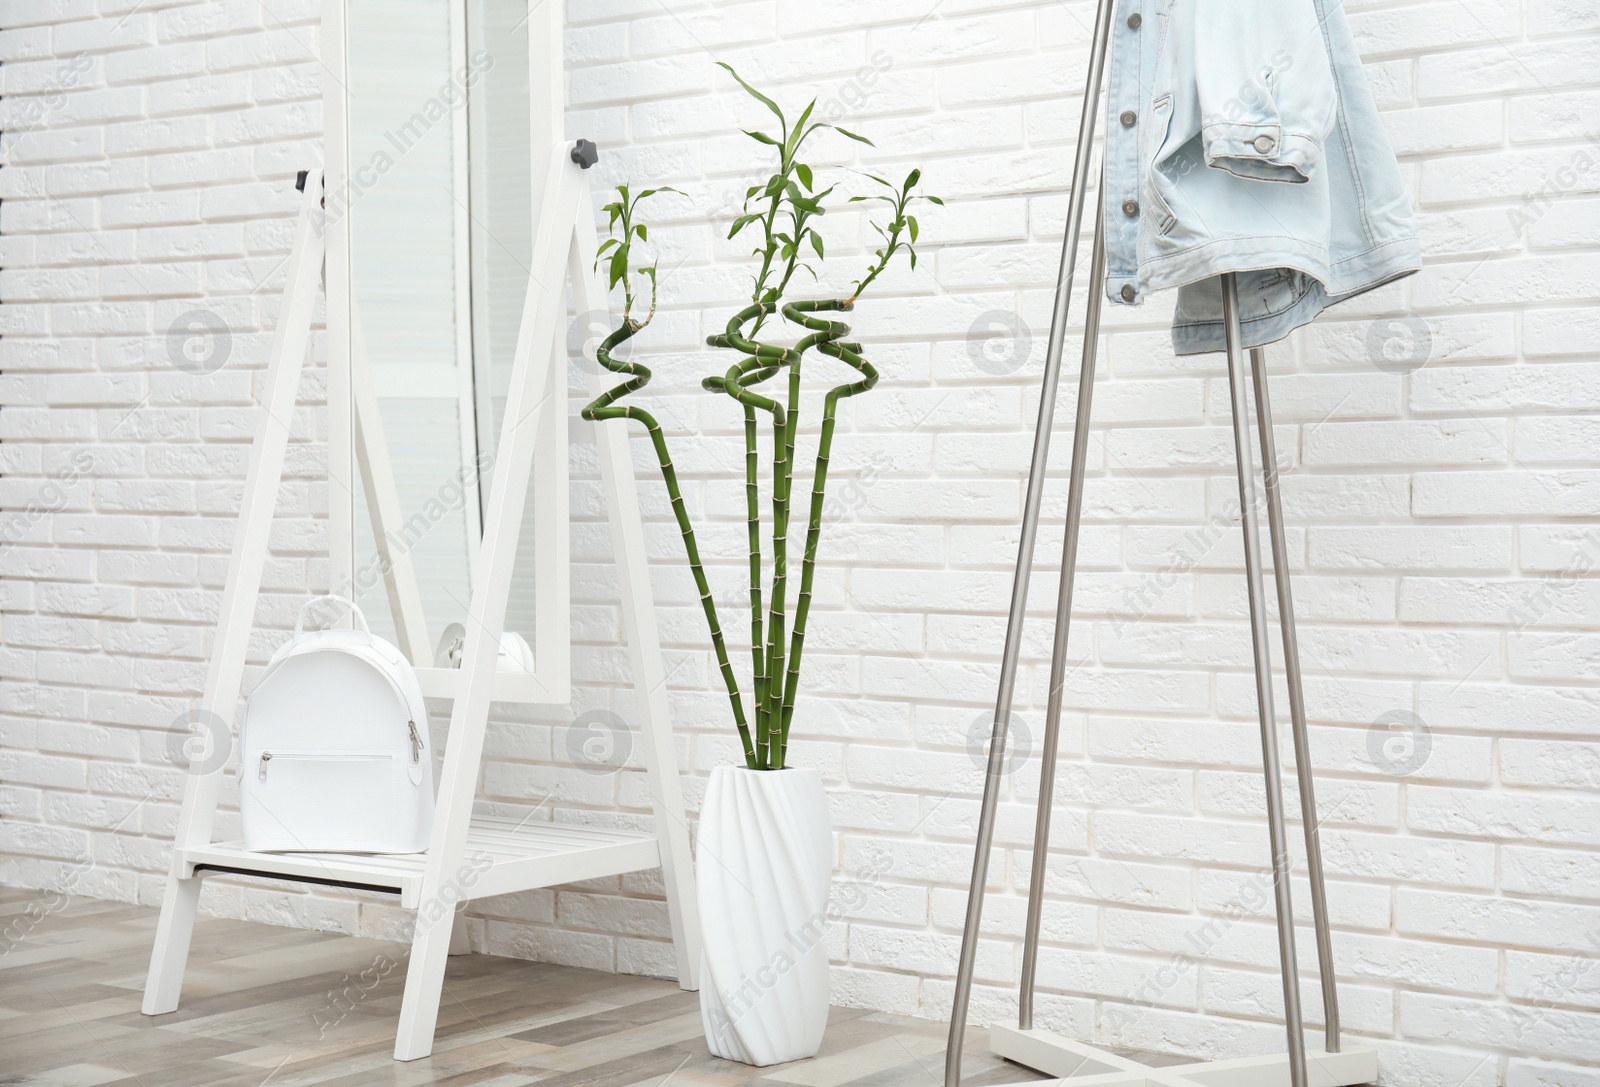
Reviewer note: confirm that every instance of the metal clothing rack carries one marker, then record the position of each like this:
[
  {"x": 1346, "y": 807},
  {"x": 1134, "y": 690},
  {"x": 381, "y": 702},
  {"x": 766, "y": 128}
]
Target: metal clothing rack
[{"x": 1091, "y": 1066}]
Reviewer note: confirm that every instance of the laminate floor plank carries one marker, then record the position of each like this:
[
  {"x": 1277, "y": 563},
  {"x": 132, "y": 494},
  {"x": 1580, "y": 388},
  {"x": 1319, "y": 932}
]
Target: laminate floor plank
[{"x": 278, "y": 1007}]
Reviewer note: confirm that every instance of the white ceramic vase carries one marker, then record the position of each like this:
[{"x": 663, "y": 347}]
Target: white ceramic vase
[{"x": 762, "y": 870}]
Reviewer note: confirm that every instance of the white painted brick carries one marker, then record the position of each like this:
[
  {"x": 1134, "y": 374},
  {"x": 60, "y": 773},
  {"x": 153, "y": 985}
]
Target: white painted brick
[
  {"x": 1417, "y": 546},
  {"x": 1558, "y": 763},
  {"x": 1537, "y": 1073},
  {"x": 1466, "y": 442},
  {"x": 1502, "y": 815},
  {"x": 1485, "y": 918},
  {"x": 1543, "y": 602},
  {"x": 1511, "y": 708},
  {"x": 1570, "y": 493},
  {"x": 1420, "y": 27},
  {"x": 1543, "y": 1031},
  {"x": 1508, "y": 66}
]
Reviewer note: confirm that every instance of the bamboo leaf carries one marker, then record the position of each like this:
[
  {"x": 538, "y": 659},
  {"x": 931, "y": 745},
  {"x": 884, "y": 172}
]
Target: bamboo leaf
[
  {"x": 803, "y": 172},
  {"x": 911, "y": 179},
  {"x": 934, "y": 200},
  {"x": 757, "y": 95},
  {"x": 762, "y": 137},
  {"x": 619, "y": 267},
  {"x": 911, "y": 223},
  {"x": 816, "y": 243},
  {"x": 859, "y": 139},
  {"x": 799, "y": 126},
  {"x": 640, "y": 230}
]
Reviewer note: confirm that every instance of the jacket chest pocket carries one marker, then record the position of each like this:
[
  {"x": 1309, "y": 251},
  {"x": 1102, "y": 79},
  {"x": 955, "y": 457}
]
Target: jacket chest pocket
[{"x": 1164, "y": 165}]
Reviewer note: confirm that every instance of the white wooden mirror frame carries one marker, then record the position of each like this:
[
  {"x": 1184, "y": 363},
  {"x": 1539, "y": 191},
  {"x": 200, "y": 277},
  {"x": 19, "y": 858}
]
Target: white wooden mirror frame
[{"x": 355, "y": 451}]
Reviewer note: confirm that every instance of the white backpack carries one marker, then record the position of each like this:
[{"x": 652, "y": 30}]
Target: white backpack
[{"x": 333, "y": 752}]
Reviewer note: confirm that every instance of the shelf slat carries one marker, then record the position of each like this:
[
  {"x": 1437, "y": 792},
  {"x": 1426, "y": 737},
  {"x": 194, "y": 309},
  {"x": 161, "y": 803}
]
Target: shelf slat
[{"x": 521, "y": 856}]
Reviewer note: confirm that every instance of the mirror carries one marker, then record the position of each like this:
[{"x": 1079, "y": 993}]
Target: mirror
[{"x": 439, "y": 229}]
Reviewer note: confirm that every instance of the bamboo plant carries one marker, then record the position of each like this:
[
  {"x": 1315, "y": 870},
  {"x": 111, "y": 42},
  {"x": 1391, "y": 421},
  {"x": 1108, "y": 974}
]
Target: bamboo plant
[{"x": 781, "y": 214}]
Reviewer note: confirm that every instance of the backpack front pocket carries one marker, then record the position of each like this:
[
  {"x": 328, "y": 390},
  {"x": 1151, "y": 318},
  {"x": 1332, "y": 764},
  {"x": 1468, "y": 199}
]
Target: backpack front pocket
[{"x": 321, "y": 800}]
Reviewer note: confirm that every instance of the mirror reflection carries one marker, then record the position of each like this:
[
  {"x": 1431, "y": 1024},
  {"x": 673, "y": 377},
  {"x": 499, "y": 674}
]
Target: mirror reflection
[{"x": 440, "y": 234}]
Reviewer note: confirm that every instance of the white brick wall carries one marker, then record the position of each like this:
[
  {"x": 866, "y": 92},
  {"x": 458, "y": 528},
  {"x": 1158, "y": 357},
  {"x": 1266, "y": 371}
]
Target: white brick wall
[{"x": 1444, "y": 515}]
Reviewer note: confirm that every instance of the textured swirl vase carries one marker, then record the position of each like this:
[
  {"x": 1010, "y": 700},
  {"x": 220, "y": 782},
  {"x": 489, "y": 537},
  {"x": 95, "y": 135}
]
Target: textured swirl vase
[{"x": 764, "y": 862}]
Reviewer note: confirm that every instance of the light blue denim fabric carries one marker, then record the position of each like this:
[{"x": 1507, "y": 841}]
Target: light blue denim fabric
[{"x": 1241, "y": 137}]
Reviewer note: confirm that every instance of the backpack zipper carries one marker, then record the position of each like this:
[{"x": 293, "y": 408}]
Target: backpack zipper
[
  {"x": 329, "y": 756},
  {"x": 416, "y": 741}
]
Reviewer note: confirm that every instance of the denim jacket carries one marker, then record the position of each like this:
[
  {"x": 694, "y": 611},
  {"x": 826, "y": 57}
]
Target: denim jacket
[{"x": 1241, "y": 137}]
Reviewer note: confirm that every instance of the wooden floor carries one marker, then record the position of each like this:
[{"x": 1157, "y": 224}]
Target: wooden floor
[{"x": 257, "y": 1011}]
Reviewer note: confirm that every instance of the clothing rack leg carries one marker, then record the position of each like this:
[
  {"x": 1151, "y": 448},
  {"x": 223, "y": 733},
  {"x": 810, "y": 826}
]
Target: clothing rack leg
[
  {"x": 1058, "y": 652},
  {"x": 1297, "y": 705},
  {"x": 1030, "y": 528},
  {"x": 1261, "y": 644}
]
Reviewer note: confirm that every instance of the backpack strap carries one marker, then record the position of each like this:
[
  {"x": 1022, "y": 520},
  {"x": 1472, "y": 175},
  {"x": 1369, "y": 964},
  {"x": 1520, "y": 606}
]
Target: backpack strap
[{"x": 355, "y": 613}]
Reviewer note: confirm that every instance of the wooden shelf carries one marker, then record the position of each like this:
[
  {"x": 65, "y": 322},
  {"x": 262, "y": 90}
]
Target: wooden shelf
[{"x": 501, "y": 857}]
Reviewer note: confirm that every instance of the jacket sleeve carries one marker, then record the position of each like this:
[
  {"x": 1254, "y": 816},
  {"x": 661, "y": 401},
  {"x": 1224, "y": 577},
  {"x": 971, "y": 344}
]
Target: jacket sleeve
[{"x": 1265, "y": 84}]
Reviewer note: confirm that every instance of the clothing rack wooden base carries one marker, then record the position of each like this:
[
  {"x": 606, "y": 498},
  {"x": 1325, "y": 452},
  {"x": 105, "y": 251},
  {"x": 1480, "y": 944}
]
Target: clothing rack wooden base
[{"x": 1091, "y": 1066}]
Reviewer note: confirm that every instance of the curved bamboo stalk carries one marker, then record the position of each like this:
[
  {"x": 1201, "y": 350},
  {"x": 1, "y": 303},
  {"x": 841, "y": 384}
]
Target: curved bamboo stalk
[
  {"x": 761, "y": 362},
  {"x": 605, "y": 407},
  {"x": 751, "y": 372},
  {"x": 828, "y": 338}
]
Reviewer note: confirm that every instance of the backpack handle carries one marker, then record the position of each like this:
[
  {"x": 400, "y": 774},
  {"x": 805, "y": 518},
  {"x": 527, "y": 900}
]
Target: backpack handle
[{"x": 355, "y": 612}]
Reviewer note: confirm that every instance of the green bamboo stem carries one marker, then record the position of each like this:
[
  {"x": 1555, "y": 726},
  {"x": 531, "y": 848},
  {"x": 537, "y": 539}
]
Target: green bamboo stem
[
  {"x": 751, "y": 371},
  {"x": 761, "y": 361},
  {"x": 752, "y": 501},
  {"x": 605, "y": 407},
  {"x": 780, "y": 602},
  {"x": 827, "y": 338}
]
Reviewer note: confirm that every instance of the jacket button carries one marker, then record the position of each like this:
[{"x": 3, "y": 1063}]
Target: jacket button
[
  {"x": 1127, "y": 292},
  {"x": 1130, "y": 208},
  {"x": 1128, "y": 117},
  {"x": 1263, "y": 144},
  {"x": 1134, "y": 20}
]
